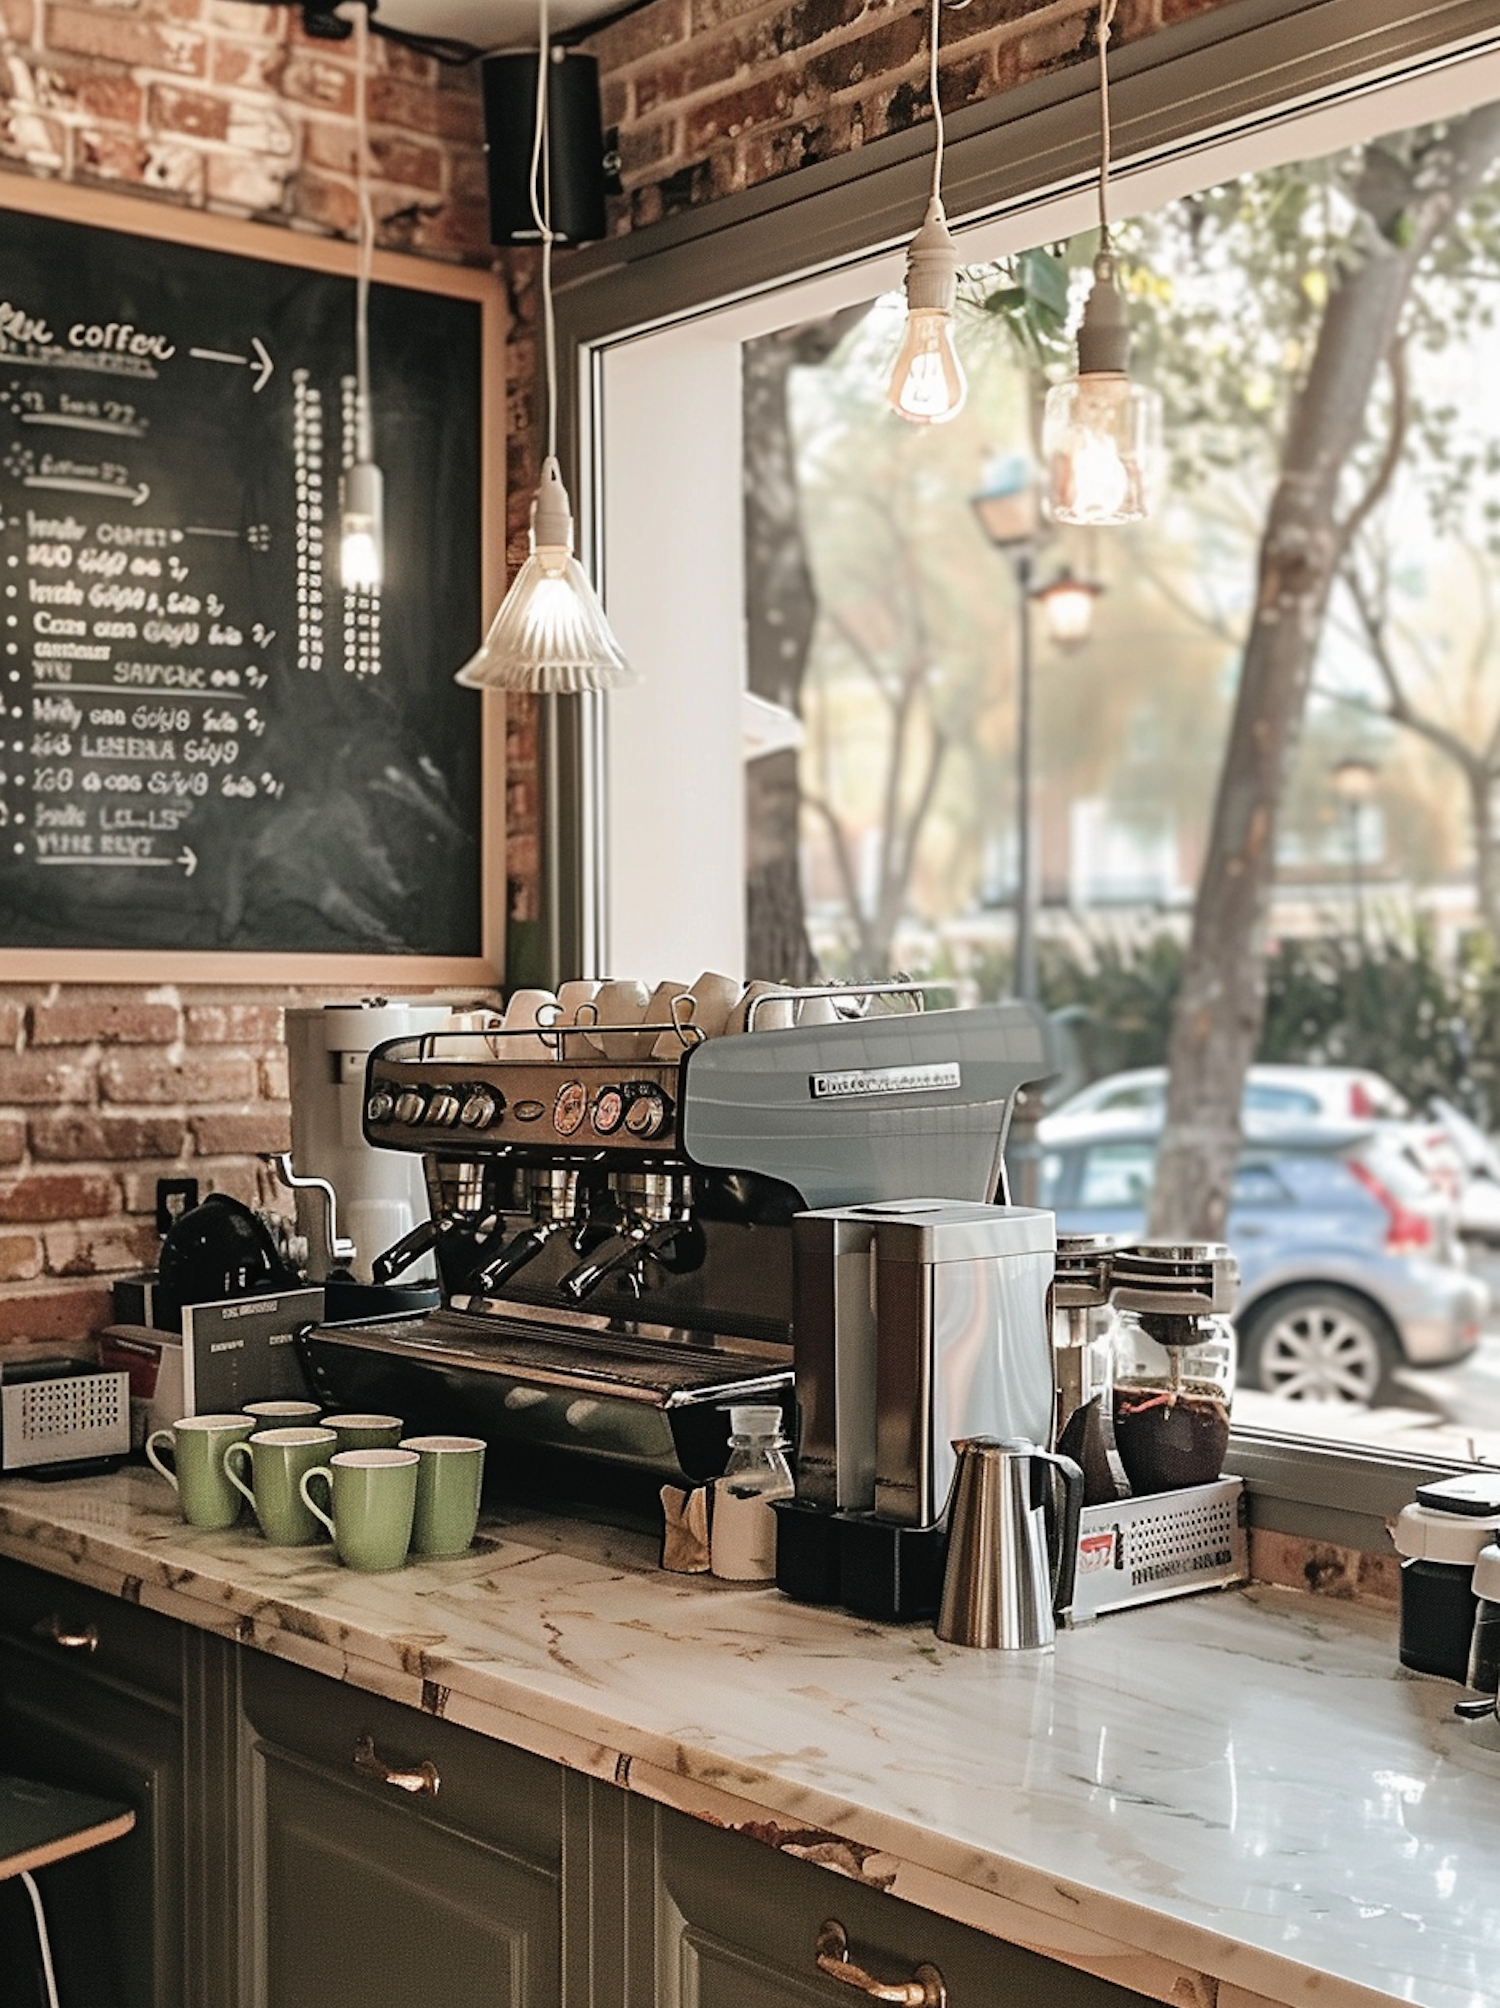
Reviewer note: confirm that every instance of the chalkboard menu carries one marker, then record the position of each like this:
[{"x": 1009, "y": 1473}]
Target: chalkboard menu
[{"x": 206, "y": 743}]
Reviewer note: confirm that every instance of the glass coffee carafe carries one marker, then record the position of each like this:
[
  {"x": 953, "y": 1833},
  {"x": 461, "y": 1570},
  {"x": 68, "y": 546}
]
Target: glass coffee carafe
[{"x": 1173, "y": 1350}]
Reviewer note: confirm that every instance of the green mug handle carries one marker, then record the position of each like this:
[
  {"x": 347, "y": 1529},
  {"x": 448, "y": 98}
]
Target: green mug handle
[
  {"x": 318, "y": 1471},
  {"x": 231, "y": 1474},
  {"x": 161, "y": 1436}
]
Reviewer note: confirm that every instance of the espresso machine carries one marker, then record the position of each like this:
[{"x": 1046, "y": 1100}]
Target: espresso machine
[{"x": 611, "y": 1210}]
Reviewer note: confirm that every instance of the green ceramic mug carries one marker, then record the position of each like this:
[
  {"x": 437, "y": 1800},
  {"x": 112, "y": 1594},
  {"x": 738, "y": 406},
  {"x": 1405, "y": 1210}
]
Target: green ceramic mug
[
  {"x": 278, "y": 1459},
  {"x": 284, "y": 1414},
  {"x": 365, "y": 1432},
  {"x": 373, "y": 1494},
  {"x": 196, "y": 1473},
  {"x": 450, "y": 1473}
]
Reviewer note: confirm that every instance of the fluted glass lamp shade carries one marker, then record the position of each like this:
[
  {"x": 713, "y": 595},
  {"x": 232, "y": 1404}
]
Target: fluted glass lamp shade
[
  {"x": 550, "y": 635},
  {"x": 1101, "y": 430}
]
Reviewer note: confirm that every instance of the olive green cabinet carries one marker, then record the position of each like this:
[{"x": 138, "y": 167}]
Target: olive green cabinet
[
  {"x": 91, "y": 1696},
  {"x": 300, "y": 1841},
  {"x": 395, "y": 1860}
]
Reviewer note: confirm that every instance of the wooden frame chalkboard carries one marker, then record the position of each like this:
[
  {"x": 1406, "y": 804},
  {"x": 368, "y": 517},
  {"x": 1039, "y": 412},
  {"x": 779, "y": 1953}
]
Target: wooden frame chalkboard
[{"x": 149, "y": 668}]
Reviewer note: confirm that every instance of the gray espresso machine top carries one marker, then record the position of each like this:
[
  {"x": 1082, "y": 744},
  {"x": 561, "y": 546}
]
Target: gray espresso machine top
[{"x": 611, "y": 1211}]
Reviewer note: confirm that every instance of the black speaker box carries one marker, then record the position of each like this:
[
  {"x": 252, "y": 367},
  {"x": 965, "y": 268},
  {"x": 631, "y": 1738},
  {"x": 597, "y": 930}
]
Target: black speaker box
[{"x": 575, "y": 147}]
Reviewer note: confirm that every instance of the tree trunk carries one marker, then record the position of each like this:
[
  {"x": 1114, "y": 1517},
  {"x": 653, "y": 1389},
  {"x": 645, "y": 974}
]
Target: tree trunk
[
  {"x": 781, "y": 614},
  {"x": 1220, "y": 1007},
  {"x": 1486, "y": 863}
]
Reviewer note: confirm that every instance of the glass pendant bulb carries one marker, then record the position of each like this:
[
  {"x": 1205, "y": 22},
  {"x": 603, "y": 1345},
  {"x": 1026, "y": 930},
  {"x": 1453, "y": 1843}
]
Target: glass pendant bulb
[
  {"x": 1101, "y": 432},
  {"x": 361, "y": 528},
  {"x": 927, "y": 385},
  {"x": 550, "y": 635}
]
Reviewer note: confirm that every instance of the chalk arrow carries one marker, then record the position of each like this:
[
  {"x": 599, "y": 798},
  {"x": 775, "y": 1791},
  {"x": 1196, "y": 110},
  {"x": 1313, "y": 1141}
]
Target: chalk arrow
[
  {"x": 188, "y": 859},
  {"x": 79, "y": 486},
  {"x": 264, "y": 364}
]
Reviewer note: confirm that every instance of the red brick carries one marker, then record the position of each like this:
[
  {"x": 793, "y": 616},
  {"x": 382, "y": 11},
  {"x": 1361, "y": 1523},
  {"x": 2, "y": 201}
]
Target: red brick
[
  {"x": 78, "y": 1195},
  {"x": 251, "y": 1184},
  {"x": 193, "y": 112},
  {"x": 441, "y": 114},
  {"x": 100, "y": 94},
  {"x": 980, "y": 16},
  {"x": 241, "y": 1135},
  {"x": 694, "y": 70},
  {"x": 12, "y": 1140},
  {"x": 74, "y": 1135},
  {"x": 468, "y": 178},
  {"x": 81, "y": 1017},
  {"x": 12, "y": 1019},
  {"x": 761, "y": 104},
  {"x": 234, "y": 1024},
  {"x": 62, "y": 1312},
  {"x": 101, "y": 1251},
  {"x": 642, "y": 33},
  {"x": 173, "y": 167},
  {"x": 201, "y": 1077},
  {"x": 110, "y": 156},
  {"x": 891, "y": 47},
  {"x": 127, "y": 38},
  {"x": 331, "y": 205},
  {"x": 249, "y": 66},
  {"x": 318, "y": 80},
  {"x": 66, "y": 1075},
  {"x": 18, "y": 19},
  {"x": 253, "y": 184},
  {"x": 1059, "y": 42},
  {"x": 458, "y": 229},
  {"x": 20, "y": 1258},
  {"x": 396, "y": 158},
  {"x": 273, "y": 1077},
  {"x": 240, "y": 19},
  {"x": 328, "y": 143}
]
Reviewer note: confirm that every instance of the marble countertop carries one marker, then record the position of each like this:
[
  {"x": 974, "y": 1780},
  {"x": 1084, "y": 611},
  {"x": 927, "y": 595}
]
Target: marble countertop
[{"x": 1222, "y": 1800}]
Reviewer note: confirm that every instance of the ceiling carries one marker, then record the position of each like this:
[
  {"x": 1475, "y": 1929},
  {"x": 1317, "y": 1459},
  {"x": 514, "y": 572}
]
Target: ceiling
[{"x": 491, "y": 24}]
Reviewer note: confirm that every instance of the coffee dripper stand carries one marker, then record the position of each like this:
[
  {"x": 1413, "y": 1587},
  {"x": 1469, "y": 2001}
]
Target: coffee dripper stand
[{"x": 1173, "y": 1361}]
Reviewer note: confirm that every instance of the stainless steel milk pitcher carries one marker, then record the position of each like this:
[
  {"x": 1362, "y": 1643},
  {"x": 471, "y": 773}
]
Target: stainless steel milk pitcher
[{"x": 1001, "y": 1586}]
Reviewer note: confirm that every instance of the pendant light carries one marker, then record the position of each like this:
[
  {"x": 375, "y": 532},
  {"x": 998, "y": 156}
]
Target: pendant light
[
  {"x": 927, "y": 385},
  {"x": 1101, "y": 433},
  {"x": 550, "y": 635},
  {"x": 361, "y": 499}
]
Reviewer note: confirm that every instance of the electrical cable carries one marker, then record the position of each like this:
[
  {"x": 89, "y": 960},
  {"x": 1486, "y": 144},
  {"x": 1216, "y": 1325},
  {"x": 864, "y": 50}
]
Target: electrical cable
[
  {"x": 541, "y": 214},
  {"x": 364, "y": 449},
  {"x": 1106, "y": 22},
  {"x": 939, "y": 132}
]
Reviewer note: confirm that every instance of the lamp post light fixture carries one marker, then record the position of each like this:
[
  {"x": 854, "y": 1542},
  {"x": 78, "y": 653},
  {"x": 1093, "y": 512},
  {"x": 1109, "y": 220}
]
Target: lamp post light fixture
[
  {"x": 1008, "y": 510},
  {"x": 1354, "y": 782},
  {"x": 1067, "y": 604}
]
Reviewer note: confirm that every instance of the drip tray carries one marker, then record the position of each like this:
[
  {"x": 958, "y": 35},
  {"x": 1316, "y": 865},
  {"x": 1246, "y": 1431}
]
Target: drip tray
[{"x": 654, "y": 1406}]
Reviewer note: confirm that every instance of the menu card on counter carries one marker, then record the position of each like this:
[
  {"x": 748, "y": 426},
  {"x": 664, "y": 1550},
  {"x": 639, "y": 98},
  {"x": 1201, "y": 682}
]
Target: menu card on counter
[{"x": 206, "y": 743}]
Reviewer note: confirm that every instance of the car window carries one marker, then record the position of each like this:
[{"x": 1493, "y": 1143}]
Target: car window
[
  {"x": 1117, "y": 1174},
  {"x": 1142, "y": 1095},
  {"x": 1265, "y": 1101},
  {"x": 1257, "y": 1185},
  {"x": 1051, "y": 1179}
]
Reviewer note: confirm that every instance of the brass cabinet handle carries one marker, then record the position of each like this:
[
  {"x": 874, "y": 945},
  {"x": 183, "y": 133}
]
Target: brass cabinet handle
[
  {"x": 51, "y": 1628},
  {"x": 925, "y": 1989},
  {"x": 423, "y": 1780}
]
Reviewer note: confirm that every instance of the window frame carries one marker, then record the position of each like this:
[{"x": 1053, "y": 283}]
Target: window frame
[{"x": 1246, "y": 67}]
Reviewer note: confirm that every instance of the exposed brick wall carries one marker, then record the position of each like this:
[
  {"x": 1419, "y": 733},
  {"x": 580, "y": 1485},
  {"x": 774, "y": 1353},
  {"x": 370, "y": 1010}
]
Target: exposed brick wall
[
  {"x": 104, "y": 1089},
  {"x": 713, "y": 96},
  {"x": 219, "y": 105},
  {"x": 208, "y": 104}
]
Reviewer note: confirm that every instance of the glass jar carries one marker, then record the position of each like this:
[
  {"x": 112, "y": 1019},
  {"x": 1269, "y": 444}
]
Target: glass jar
[
  {"x": 742, "y": 1532},
  {"x": 1174, "y": 1354},
  {"x": 1081, "y": 1349}
]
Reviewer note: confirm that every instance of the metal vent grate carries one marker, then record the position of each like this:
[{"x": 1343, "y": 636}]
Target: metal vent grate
[
  {"x": 1139, "y": 1550},
  {"x": 51, "y": 1421}
]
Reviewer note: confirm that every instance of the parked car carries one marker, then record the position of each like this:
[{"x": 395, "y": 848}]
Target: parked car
[
  {"x": 1479, "y": 1193},
  {"x": 1347, "y": 1260},
  {"x": 1279, "y": 1094}
]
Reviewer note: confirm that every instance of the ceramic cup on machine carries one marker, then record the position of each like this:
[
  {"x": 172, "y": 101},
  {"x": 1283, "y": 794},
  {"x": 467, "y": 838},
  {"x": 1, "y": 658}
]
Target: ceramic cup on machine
[
  {"x": 527, "y": 1012},
  {"x": 365, "y": 1432},
  {"x": 278, "y": 1459},
  {"x": 775, "y": 1015},
  {"x": 196, "y": 1473},
  {"x": 373, "y": 1496},
  {"x": 713, "y": 998},
  {"x": 620, "y": 1004},
  {"x": 817, "y": 1011},
  {"x": 450, "y": 1475},
  {"x": 284, "y": 1414}
]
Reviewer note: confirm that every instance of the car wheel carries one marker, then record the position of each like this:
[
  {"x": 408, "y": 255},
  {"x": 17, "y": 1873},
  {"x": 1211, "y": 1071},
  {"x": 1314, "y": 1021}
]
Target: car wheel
[{"x": 1319, "y": 1343}]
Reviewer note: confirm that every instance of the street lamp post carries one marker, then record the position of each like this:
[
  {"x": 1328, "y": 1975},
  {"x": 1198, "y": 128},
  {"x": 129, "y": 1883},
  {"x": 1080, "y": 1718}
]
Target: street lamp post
[
  {"x": 1010, "y": 518},
  {"x": 1354, "y": 783}
]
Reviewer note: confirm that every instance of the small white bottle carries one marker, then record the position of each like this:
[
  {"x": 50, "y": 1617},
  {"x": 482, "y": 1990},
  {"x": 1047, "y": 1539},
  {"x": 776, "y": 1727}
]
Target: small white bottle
[{"x": 742, "y": 1538}]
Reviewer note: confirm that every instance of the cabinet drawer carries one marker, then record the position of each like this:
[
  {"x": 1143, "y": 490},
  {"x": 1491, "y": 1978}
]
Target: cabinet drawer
[
  {"x": 741, "y": 1929},
  {"x": 502, "y": 1796},
  {"x": 64, "y": 1623}
]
